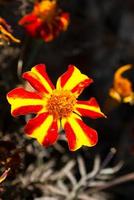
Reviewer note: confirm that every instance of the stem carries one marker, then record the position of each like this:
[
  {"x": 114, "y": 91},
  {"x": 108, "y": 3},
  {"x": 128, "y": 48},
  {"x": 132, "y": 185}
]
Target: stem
[{"x": 36, "y": 47}]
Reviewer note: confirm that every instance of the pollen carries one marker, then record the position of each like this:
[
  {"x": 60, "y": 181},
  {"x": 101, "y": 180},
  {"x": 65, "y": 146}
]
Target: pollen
[{"x": 61, "y": 103}]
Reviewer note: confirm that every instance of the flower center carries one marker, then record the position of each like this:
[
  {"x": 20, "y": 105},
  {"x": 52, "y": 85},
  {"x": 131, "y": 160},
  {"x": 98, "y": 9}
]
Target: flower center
[
  {"x": 46, "y": 9},
  {"x": 61, "y": 103}
]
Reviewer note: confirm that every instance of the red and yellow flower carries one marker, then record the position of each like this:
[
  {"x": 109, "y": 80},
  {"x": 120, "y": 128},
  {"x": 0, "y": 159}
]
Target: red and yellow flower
[
  {"x": 5, "y": 33},
  {"x": 122, "y": 87},
  {"x": 46, "y": 21},
  {"x": 56, "y": 107}
]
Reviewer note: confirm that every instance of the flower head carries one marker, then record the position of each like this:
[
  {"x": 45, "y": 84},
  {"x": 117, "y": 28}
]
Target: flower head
[
  {"x": 122, "y": 87},
  {"x": 45, "y": 21},
  {"x": 5, "y": 33},
  {"x": 56, "y": 107}
]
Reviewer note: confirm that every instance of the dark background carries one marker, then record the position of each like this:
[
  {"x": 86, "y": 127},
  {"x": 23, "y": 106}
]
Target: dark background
[{"x": 99, "y": 40}]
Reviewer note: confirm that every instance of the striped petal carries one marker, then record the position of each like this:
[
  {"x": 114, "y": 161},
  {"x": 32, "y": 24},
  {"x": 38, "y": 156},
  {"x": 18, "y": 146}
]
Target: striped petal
[
  {"x": 78, "y": 133},
  {"x": 73, "y": 80},
  {"x": 44, "y": 128},
  {"x": 39, "y": 79},
  {"x": 24, "y": 102},
  {"x": 89, "y": 108}
]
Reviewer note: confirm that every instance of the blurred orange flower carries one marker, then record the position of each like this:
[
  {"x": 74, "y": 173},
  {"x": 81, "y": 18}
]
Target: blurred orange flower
[
  {"x": 122, "y": 87},
  {"x": 5, "y": 33},
  {"x": 45, "y": 21},
  {"x": 56, "y": 107}
]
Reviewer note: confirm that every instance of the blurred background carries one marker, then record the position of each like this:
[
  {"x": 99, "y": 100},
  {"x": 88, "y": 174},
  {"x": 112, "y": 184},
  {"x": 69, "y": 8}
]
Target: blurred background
[{"x": 99, "y": 40}]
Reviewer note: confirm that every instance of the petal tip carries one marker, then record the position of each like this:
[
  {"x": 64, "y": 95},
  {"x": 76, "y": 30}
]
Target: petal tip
[{"x": 40, "y": 66}]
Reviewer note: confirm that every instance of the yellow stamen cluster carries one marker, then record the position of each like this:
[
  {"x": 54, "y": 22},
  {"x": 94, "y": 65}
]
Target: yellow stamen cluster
[
  {"x": 61, "y": 103},
  {"x": 46, "y": 9}
]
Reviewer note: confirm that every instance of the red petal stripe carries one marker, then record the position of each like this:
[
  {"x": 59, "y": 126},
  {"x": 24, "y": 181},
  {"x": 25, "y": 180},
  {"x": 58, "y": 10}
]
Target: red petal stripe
[
  {"x": 35, "y": 123},
  {"x": 22, "y": 93},
  {"x": 91, "y": 102},
  {"x": 24, "y": 110},
  {"x": 70, "y": 136},
  {"x": 34, "y": 82},
  {"x": 41, "y": 68},
  {"x": 89, "y": 113},
  {"x": 78, "y": 88},
  {"x": 67, "y": 75},
  {"x": 52, "y": 135}
]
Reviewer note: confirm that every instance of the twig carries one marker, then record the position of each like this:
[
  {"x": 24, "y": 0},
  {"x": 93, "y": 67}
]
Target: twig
[
  {"x": 62, "y": 186},
  {"x": 83, "y": 180},
  {"x": 81, "y": 166},
  {"x": 55, "y": 190},
  {"x": 108, "y": 158},
  {"x": 64, "y": 171},
  {"x": 112, "y": 170},
  {"x": 117, "y": 181}
]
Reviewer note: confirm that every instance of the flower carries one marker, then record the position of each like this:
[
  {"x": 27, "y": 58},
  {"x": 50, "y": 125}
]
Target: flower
[
  {"x": 56, "y": 107},
  {"x": 46, "y": 21},
  {"x": 5, "y": 33},
  {"x": 122, "y": 87}
]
